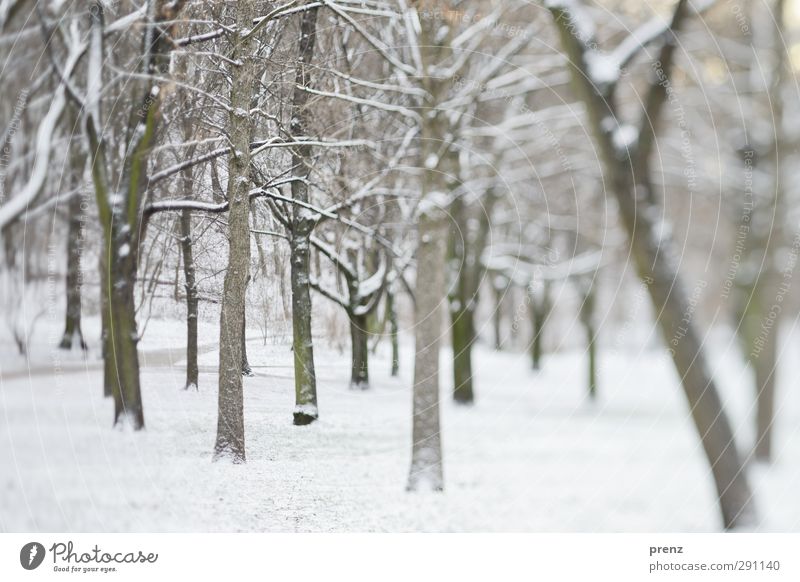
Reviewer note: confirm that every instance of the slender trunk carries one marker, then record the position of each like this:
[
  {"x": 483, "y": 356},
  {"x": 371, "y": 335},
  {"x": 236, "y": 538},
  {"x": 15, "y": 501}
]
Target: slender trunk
[
  {"x": 192, "y": 368},
  {"x": 305, "y": 411},
  {"x": 246, "y": 369},
  {"x": 391, "y": 313},
  {"x": 587, "y": 320},
  {"x": 73, "y": 335},
  {"x": 230, "y": 442},
  {"x": 359, "y": 377},
  {"x": 497, "y": 315},
  {"x": 539, "y": 309}
]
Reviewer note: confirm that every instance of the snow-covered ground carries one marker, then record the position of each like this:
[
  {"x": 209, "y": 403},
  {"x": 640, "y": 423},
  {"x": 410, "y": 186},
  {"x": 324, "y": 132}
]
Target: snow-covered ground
[{"x": 532, "y": 454}]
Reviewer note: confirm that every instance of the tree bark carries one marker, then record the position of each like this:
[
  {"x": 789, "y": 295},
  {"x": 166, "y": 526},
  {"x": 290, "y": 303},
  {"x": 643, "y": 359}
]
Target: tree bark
[
  {"x": 192, "y": 368},
  {"x": 73, "y": 335},
  {"x": 391, "y": 313},
  {"x": 426, "y": 454},
  {"x": 587, "y": 320},
  {"x": 539, "y": 308},
  {"x": 230, "y": 442},
  {"x": 305, "y": 411},
  {"x": 359, "y": 376}
]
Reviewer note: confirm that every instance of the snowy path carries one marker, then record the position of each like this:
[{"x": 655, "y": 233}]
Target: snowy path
[{"x": 532, "y": 455}]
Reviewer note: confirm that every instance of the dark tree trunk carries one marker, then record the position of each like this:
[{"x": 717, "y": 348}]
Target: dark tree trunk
[
  {"x": 105, "y": 331},
  {"x": 123, "y": 335},
  {"x": 246, "y": 369},
  {"x": 305, "y": 411},
  {"x": 73, "y": 335},
  {"x": 192, "y": 368},
  {"x": 539, "y": 309},
  {"x": 463, "y": 332},
  {"x": 587, "y": 320},
  {"x": 359, "y": 377},
  {"x": 497, "y": 315},
  {"x": 391, "y": 313}
]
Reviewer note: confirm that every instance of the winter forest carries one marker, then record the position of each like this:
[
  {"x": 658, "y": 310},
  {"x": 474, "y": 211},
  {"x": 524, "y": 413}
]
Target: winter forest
[{"x": 410, "y": 265}]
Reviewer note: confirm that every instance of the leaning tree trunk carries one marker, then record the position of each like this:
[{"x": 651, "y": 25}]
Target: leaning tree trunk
[
  {"x": 359, "y": 375},
  {"x": 192, "y": 368},
  {"x": 305, "y": 411},
  {"x": 230, "y": 443},
  {"x": 628, "y": 175},
  {"x": 73, "y": 335}
]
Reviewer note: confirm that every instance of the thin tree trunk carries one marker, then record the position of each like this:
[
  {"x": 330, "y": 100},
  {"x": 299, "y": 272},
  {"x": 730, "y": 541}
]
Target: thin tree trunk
[
  {"x": 192, "y": 368},
  {"x": 539, "y": 308},
  {"x": 497, "y": 315},
  {"x": 73, "y": 335},
  {"x": 587, "y": 320},
  {"x": 391, "y": 313},
  {"x": 359, "y": 376},
  {"x": 230, "y": 442},
  {"x": 246, "y": 369},
  {"x": 305, "y": 411}
]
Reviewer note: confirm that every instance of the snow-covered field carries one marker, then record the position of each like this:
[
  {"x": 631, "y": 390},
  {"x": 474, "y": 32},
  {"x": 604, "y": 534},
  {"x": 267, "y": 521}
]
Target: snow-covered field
[{"x": 531, "y": 455}]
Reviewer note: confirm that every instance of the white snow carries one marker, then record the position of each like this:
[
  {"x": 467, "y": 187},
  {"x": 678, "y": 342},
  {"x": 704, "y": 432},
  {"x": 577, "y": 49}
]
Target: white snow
[{"x": 531, "y": 455}]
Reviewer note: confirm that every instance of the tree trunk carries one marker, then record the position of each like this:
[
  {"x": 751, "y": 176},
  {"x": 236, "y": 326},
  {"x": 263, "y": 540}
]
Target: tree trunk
[
  {"x": 587, "y": 320},
  {"x": 246, "y": 369},
  {"x": 123, "y": 335},
  {"x": 463, "y": 333},
  {"x": 192, "y": 368},
  {"x": 628, "y": 175},
  {"x": 426, "y": 453},
  {"x": 539, "y": 308},
  {"x": 305, "y": 411},
  {"x": 497, "y": 315},
  {"x": 230, "y": 443},
  {"x": 765, "y": 366},
  {"x": 73, "y": 335},
  {"x": 359, "y": 377},
  {"x": 391, "y": 313}
]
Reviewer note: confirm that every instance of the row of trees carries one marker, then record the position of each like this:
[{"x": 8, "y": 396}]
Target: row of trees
[{"x": 422, "y": 151}]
